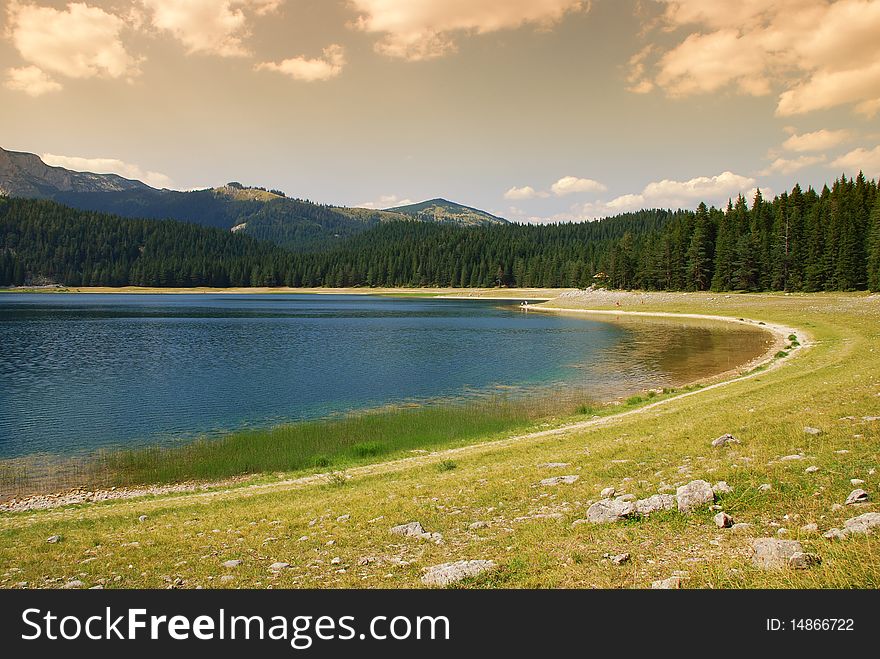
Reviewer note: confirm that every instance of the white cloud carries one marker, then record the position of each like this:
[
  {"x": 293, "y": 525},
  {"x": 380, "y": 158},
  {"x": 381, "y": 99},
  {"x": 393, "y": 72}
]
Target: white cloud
[
  {"x": 791, "y": 165},
  {"x": 423, "y": 29},
  {"x": 80, "y": 41},
  {"x": 310, "y": 70},
  {"x": 386, "y": 201},
  {"x": 213, "y": 27},
  {"x": 108, "y": 166},
  {"x": 571, "y": 184},
  {"x": 819, "y": 53},
  {"x": 30, "y": 80},
  {"x": 714, "y": 190},
  {"x": 525, "y": 192},
  {"x": 818, "y": 140},
  {"x": 861, "y": 159}
]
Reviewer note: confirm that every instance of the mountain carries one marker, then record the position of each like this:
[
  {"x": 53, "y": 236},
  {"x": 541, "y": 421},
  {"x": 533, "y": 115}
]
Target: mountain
[
  {"x": 442, "y": 210},
  {"x": 26, "y": 175}
]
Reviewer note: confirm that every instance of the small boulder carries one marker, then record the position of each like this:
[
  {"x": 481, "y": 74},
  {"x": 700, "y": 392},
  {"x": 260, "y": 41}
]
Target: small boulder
[
  {"x": 765, "y": 487},
  {"x": 226, "y": 578},
  {"x": 856, "y": 481},
  {"x": 559, "y": 480},
  {"x": 672, "y": 583},
  {"x": 554, "y": 465},
  {"x": 856, "y": 496},
  {"x": 280, "y": 565},
  {"x": 723, "y": 520},
  {"x": 52, "y": 539},
  {"x": 414, "y": 529},
  {"x": 863, "y": 524},
  {"x": 233, "y": 563},
  {"x": 620, "y": 559},
  {"x": 721, "y": 487},
  {"x": 475, "y": 526},
  {"x": 609, "y": 510},
  {"x": 812, "y": 469},
  {"x": 607, "y": 493},
  {"x": 774, "y": 554},
  {"x": 803, "y": 560},
  {"x": 724, "y": 440},
  {"x": 809, "y": 430},
  {"x": 791, "y": 458},
  {"x": 810, "y": 528},
  {"x": 73, "y": 585},
  {"x": 741, "y": 526},
  {"x": 343, "y": 518},
  {"x": 450, "y": 573},
  {"x": 654, "y": 503},
  {"x": 694, "y": 494},
  {"x": 142, "y": 519}
]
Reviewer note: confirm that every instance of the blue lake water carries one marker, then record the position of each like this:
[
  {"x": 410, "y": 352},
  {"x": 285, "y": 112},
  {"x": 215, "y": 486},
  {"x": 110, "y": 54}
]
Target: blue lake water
[{"x": 80, "y": 372}]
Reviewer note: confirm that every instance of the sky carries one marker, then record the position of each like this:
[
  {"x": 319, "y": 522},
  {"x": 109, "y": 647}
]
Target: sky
[{"x": 535, "y": 110}]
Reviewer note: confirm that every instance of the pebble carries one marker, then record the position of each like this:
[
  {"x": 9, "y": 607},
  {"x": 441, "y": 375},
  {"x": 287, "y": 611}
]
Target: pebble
[
  {"x": 856, "y": 496},
  {"x": 723, "y": 520},
  {"x": 607, "y": 493},
  {"x": 672, "y": 583},
  {"x": 811, "y": 469},
  {"x": 559, "y": 480},
  {"x": 233, "y": 563},
  {"x": 276, "y": 567},
  {"x": 70, "y": 585},
  {"x": 449, "y": 573},
  {"x": 142, "y": 519},
  {"x": 694, "y": 494},
  {"x": 620, "y": 559},
  {"x": 809, "y": 430},
  {"x": 724, "y": 440},
  {"x": 765, "y": 487},
  {"x": 52, "y": 539}
]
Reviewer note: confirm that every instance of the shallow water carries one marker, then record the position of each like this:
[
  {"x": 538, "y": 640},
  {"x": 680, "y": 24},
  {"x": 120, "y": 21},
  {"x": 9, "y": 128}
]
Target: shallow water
[{"x": 81, "y": 372}]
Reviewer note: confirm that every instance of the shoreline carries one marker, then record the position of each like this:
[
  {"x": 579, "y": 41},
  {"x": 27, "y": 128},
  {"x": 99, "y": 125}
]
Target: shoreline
[{"x": 768, "y": 359}]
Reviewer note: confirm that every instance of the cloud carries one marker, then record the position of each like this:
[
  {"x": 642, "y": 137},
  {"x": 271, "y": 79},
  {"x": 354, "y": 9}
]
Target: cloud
[
  {"x": 714, "y": 190},
  {"x": 818, "y": 140},
  {"x": 108, "y": 166},
  {"x": 386, "y": 201},
  {"x": 77, "y": 42},
  {"x": 525, "y": 192},
  {"x": 820, "y": 54},
  {"x": 571, "y": 184},
  {"x": 30, "y": 80},
  {"x": 211, "y": 27},
  {"x": 791, "y": 165},
  {"x": 424, "y": 29},
  {"x": 310, "y": 70},
  {"x": 860, "y": 160}
]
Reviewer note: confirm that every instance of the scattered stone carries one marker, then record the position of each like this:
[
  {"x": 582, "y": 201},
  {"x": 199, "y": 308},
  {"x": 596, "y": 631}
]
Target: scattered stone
[
  {"x": 450, "y": 573},
  {"x": 856, "y": 496},
  {"x": 620, "y": 559},
  {"x": 803, "y": 560},
  {"x": 475, "y": 526},
  {"x": 226, "y": 578},
  {"x": 773, "y": 554},
  {"x": 861, "y": 525},
  {"x": 782, "y": 531},
  {"x": 791, "y": 458},
  {"x": 721, "y": 487},
  {"x": 414, "y": 529},
  {"x": 694, "y": 494},
  {"x": 71, "y": 585},
  {"x": 559, "y": 480},
  {"x": 811, "y": 469},
  {"x": 809, "y": 430},
  {"x": 654, "y": 503},
  {"x": 672, "y": 583},
  {"x": 233, "y": 563},
  {"x": 343, "y": 518},
  {"x": 724, "y": 440},
  {"x": 765, "y": 487},
  {"x": 856, "y": 481},
  {"x": 871, "y": 418},
  {"x": 609, "y": 510},
  {"x": 741, "y": 526},
  {"x": 810, "y": 528},
  {"x": 142, "y": 519},
  {"x": 336, "y": 560},
  {"x": 52, "y": 539},
  {"x": 277, "y": 567},
  {"x": 607, "y": 493},
  {"x": 625, "y": 497},
  {"x": 723, "y": 520},
  {"x": 553, "y": 465}
]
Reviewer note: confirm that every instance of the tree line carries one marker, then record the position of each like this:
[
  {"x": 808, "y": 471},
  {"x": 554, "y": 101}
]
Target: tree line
[{"x": 827, "y": 240}]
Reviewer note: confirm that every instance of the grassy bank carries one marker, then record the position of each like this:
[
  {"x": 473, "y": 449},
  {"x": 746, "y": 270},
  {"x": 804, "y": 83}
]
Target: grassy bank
[{"x": 527, "y": 528}]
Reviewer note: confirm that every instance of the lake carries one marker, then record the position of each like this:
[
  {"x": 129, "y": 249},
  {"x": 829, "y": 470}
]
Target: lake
[{"x": 82, "y": 372}]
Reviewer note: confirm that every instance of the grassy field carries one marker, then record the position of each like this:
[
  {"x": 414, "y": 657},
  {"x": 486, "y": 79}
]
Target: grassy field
[{"x": 334, "y": 530}]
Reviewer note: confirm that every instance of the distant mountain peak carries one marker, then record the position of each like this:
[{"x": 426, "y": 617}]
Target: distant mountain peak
[{"x": 443, "y": 210}]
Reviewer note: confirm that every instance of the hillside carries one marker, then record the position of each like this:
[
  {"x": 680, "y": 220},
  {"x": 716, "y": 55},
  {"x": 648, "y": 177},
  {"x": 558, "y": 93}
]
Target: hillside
[
  {"x": 441, "y": 210},
  {"x": 486, "y": 499}
]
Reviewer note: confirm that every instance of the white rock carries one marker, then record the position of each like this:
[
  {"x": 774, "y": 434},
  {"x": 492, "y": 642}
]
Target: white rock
[
  {"x": 233, "y": 563},
  {"x": 856, "y": 481},
  {"x": 741, "y": 526},
  {"x": 336, "y": 560},
  {"x": 672, "y": 583},
  {"x": 724, "y": 440},
  {"x": 277, "y": 567},
  {"x": 773, "y": 554},
  {"x": 809, "y": 430},
  {"x": 863, "y": 524},
  {"x": 694, "y": 494},
  {"x": 765, "y": 487},
  {"x": 142, "y": 519},
  {"x": 474, "y": 526},
  {"x": 343, "y": 518},
  {"x": 721, "y": 487},
  {"x": 790, "y": 458},
  {"x": 449, "y": 573},
  {"x": 52, "y": 539},
  {"x": 811, "y": 469},
  {"x": 559, "y": 480},
  {"x": 856, "y": 496},
  {"x": 607, "y": 493},
  {"x": 803, "y": 560},
  {"x": 723, "y": 520},
  {"x": 409, "y": 529},
  {"x": 810, "y": 528},
  {"x": 226, "y": 578},
  {"x": 553, "y": 465},
  {"x": 620, "y": 559},
  {"x": 609, "y": 510},
  {"x": 71, "y": 585},
  {"x": 654, "y": 503}
]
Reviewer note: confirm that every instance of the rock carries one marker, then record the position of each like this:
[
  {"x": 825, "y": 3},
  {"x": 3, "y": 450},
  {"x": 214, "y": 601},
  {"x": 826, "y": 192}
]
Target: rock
[
  {"x": 620, "y": 559},
  {"x": 871, "y": 418},
  {"x": 336, "y": 560},
  {"x": 856, "y": 481},
  {"x": 559, "y": 480},
  {"x": 607, "y": 493},
  {"x": 856, "y": 496},
  {"x": 765, "y": 487},
  {"x": 654, "y": 503},
  {"x": 609, "y": 510},
  {"x": 811, "y": 469},
  {"x": 625, "y": 497},
  {"x": 724, "y": 440},
  {"x": 773, "y": 554},
  {"x": 226, "y": 578},
  {"x": 233, "y": 563},
  {"x": 803, "y": 560},
  {"x": 810, "y": 528},
  {"x": 71, "y": 585},
  {"x": 450, "y": 573},
  {"x": 343, "y": 518},
  {"x": 809, "y": 430},
  {"x": 834, "y": 534},
  {"x": 694, "y": 494},
  {"x": 863, "y": 524},
  {"x": 782, "y": 531},
  {"x": 553, "y": 465},
  {"x": 475, "y": 526},
  {"x": 142, "y": 519},
  {"x": 723, "y": 521},
  {"x": 790, "y": 458},
  {"x": 52, "y": 539},
  {"x": 721, "y": 487},
  {"x": 672, "y": 583},
  {"x": 411, "y": 529},
  {"x": 277, "y": 567},
  {"x": 741, "y": 526}
]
